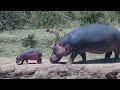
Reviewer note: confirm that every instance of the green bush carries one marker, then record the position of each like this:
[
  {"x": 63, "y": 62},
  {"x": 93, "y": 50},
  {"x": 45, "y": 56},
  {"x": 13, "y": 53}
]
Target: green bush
[
  {"x": 29, "y": 41},
  {"x": 50, "y": 19},
  {"x": 12, "y": 20},
  {"x": 88, "y": 17}
]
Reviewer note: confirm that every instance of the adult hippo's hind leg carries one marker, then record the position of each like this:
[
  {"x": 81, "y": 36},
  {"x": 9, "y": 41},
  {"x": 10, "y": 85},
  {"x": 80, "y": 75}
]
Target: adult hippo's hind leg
[
  {"x": 72, "y": 57},
  {"x": 83, "y": 55},
  {"x": 116, "y": 56},
  {"x": 107, "y": 56}
]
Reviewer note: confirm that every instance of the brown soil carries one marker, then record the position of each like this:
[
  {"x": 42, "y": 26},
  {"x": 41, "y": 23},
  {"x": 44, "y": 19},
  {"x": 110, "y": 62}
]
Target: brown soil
[{"x": 10, "y": 70}]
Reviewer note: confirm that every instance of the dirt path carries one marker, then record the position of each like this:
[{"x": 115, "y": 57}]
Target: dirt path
[{"x": 46, "y": 70}]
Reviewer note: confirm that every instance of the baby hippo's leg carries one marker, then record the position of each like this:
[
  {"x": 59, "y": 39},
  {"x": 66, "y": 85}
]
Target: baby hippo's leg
[
  {"x": 39, "y": 60},
  {"x": 26, "y": 61}
]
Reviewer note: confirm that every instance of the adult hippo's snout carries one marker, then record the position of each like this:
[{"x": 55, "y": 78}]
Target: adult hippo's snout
[
  {"x": 58, "y": 52},
  {"x": 54, "y": 59}
]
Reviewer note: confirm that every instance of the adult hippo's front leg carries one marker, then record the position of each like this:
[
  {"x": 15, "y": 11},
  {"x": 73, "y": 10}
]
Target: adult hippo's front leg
[
  {"x": 83, "y": 55},
  {"x": 72, "y": 57}
]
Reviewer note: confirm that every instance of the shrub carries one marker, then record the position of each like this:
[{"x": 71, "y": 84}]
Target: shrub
[
  {"x": 88, "y": 17},
  {"x": 29, "y": 41},
  {"x": 11, "y": 20}
]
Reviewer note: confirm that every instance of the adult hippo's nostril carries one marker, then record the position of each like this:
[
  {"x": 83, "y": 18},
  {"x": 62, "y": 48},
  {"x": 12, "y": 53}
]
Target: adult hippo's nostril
[{"x": 53, "y": 61}]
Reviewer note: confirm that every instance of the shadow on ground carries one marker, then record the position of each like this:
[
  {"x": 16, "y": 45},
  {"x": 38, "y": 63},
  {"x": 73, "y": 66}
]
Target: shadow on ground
[
  {"x": 32, "y": 63},
  {"x": 96, "y": 61}
]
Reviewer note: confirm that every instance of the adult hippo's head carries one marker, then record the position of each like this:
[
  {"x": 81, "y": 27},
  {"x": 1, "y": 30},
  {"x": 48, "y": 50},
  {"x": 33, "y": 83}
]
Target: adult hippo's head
[{"x": 59, "y": 51}]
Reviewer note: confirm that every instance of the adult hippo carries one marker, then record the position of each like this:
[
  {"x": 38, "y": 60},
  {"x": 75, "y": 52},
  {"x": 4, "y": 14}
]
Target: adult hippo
[
  {"x": 93, "y": 38},
  {"x": 31, "y": 54}
]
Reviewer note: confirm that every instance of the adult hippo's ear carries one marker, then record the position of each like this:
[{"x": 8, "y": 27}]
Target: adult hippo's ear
[
  {"x": 67, "y": 50},
  {"x": 53, "y": 45},
  {"x": 68, "y": 47}
]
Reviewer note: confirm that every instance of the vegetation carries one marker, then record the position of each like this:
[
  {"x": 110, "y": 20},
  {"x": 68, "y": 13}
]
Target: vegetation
[
  {"x": 16, "y": 28},
  {"x": 12, "y": 20},
  {"x": 29, "y": 41}
]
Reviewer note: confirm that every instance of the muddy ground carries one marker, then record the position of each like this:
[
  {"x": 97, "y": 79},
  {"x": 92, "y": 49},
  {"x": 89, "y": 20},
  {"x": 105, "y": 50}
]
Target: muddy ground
[{"x": 46, "y": 70}]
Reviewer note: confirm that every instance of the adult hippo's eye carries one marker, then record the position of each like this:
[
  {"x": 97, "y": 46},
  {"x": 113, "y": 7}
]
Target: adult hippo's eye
[{"x": 54, "y": 50}]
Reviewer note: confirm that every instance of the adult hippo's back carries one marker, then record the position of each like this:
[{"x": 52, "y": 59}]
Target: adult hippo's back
[{"x": 93, "y": 38}]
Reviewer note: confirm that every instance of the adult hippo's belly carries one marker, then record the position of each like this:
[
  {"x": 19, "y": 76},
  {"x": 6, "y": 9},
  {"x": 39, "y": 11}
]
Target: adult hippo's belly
[
  {"x": 99, "y": 47},
  {"x": 93, "y": 38}
]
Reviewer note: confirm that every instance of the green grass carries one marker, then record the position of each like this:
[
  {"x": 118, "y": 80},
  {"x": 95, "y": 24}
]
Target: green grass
[{"x": 11, "y": 44}]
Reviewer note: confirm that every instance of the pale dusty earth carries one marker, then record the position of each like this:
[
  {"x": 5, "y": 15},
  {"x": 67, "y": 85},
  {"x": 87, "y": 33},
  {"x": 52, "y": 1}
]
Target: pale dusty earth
[{"x": 10, "y": 70}]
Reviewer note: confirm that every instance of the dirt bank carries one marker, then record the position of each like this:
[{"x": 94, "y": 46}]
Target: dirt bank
[{"x": 46, "y": 70}]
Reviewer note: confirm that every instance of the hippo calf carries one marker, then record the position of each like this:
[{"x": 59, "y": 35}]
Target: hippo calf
[
  {"x": 31, "y": 54},
  {"x": 93, "y": 38}
]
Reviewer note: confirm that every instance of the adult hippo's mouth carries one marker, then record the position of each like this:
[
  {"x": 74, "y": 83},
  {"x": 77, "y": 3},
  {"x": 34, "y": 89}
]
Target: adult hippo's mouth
[{"x": 54, "y": 59}]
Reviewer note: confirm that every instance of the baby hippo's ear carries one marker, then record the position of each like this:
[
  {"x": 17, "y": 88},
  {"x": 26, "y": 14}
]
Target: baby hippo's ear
[{"x": 17, "y": 58}]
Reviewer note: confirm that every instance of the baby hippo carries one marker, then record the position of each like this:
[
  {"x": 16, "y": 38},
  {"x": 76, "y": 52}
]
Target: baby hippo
[{"x": 31, "y": 54}]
